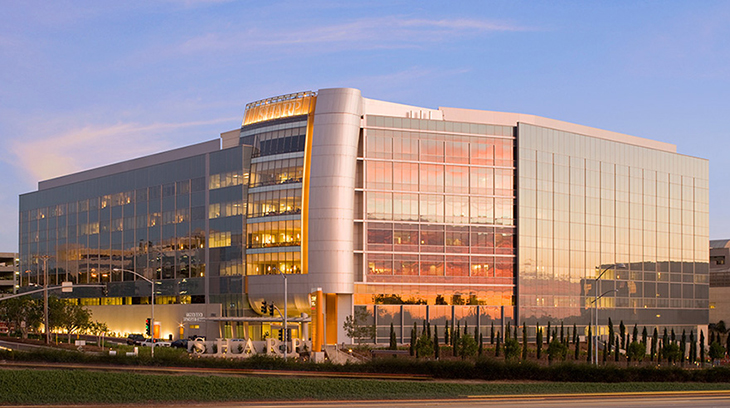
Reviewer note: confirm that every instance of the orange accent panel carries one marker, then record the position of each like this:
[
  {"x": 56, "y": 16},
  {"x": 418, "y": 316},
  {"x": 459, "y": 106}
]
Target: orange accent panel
[{"x": 331, "y": 316}]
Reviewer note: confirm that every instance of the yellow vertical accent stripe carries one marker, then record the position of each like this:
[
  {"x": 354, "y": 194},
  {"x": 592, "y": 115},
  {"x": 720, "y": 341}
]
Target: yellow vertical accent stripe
[{"x": 305, "y": 187}]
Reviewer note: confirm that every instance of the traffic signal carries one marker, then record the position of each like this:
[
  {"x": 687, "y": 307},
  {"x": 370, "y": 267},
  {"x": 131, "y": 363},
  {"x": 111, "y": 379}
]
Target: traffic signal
[
  {"x": 263, "y": 307},
  {"x": 147, "y": 326},
  {"x": 271, "y": 309},
  {"x": 281, "y": 334},
  {"x": 288, "y": 335}
]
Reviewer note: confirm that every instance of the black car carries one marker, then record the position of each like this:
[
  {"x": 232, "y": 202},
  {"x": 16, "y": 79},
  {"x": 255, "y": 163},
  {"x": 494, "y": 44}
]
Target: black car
[
  {"x": 181, "y": 343},
  {"x": 135, "y": 339}
]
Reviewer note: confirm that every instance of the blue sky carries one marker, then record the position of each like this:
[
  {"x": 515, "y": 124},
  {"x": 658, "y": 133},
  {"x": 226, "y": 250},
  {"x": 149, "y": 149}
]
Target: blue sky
[{"x": 87, "y": 83}]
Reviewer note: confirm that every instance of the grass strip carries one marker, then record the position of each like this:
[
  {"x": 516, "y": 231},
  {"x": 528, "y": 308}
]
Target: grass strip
[{"x": 67, "y": 386}]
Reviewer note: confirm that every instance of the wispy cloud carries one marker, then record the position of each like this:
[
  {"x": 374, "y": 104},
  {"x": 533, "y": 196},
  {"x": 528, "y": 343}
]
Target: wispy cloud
[
  {"x": 368, "y": 33},
  {"x": 95, "y": 145}
]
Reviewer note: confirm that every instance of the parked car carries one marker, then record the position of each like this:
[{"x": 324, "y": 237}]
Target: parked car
[
  {"x": 181, "y": 343},
  {"x": 135, "y": 339},
  {"x": 158, "y": 343}
]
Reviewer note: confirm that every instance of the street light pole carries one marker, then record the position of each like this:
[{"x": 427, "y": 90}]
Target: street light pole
[
  {"x": 152, "y": 312},
  {"x": 45, "y": 258},
  {"x": 595, "y": 302}
]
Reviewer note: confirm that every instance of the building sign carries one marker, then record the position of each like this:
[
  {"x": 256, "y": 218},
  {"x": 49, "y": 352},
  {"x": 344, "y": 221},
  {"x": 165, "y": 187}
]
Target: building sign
[
  {"x": 193, "y": 317},
  {"x": 284, "y": 106}
]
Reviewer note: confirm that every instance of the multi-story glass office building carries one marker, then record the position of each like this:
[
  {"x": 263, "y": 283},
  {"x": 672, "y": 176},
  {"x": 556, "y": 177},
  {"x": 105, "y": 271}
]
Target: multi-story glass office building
[{"x": 440, "y": 214}]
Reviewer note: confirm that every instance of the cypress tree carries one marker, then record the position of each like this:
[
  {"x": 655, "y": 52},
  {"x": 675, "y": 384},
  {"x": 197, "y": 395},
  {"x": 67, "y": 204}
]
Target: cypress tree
[
  {"x": 481, "y": 345},
  {"x": 499, "y": 345},
  {"x": 548, "y": 334},
  {"x": 727, "y": 345},
  {"x": 491, "y": 334},
  {"x": 538, "y": 342},
  {"x": 702, "y": 349},
  {"x": 635, "y": 334},
  {"x": 436, "y": 345},
  {"x": 414, "y": 337},
  {"x": 617, "y": 354},
  {"x": 665, "y": 342},
  {"x": 683, "y": 346},
  {"x": 524, "y": 341},
  {"x": 455, "y": 336},
  {"x": 508, "y": 332},
  {"x": 476, "y": 332},
  {"x": 644, "y": 336},
  {"x": 622, "y": 329},
  {"x": 576, "y": 341},
  {"x": 516, "y": 338},
  {"x": 562, "y": 334},
  {"x": 605, "y": 353},
  {"x": 673, "y": 338},
  {"x": 590, "y": 344},
  {"x": 466, "y": 325},
  {"x": 446, "y": 333},
  {"x": 393, "y": 340},
  {"x": 428, "y": 329},
  {"x": 712, "y": 337},
  {"x": 654, "y": 340},
  {"x": 610, "y": 335},
  {"x": 692, "y": 347}
]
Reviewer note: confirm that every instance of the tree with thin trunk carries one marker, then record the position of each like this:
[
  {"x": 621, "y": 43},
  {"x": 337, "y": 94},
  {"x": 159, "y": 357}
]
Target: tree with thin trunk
[{"x": 393, "y": 339}]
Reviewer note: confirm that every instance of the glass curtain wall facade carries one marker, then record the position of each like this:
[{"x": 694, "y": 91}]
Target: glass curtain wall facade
[
  {"x": 438, "y": 221},
  {"x": 274, "y": 232},
  {"x": 589, "y": 206},
  {"x": 180, "y": 223}
]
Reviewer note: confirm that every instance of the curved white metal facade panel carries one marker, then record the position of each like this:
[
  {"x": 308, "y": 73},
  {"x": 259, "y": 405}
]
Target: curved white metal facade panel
[{"x": 332, "y": 189}]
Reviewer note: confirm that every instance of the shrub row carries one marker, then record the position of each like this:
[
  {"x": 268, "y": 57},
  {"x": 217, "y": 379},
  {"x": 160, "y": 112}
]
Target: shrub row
[{"x": 484, "y": 369}]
